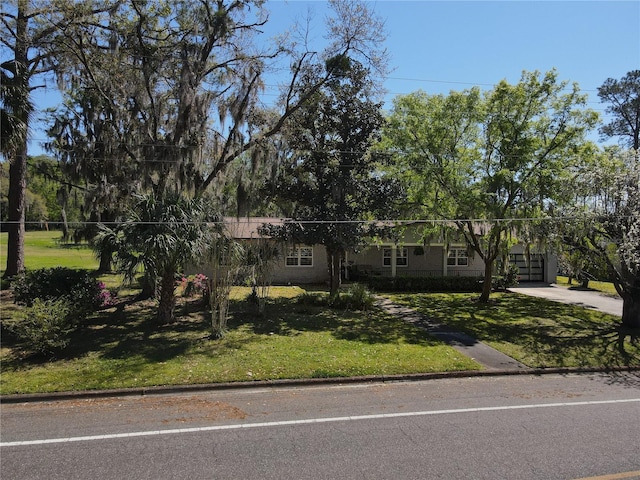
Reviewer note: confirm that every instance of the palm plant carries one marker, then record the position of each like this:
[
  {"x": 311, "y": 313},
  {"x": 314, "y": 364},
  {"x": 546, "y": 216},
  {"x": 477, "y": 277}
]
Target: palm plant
[{"x": 161, "y": 235}]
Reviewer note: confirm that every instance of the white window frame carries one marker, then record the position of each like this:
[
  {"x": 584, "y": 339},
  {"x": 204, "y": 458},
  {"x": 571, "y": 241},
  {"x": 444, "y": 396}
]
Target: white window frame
[
  {"x": 402, "y": 257},
  {"x": 299, "y": 257},
  {"x": 459, "y": 256}
]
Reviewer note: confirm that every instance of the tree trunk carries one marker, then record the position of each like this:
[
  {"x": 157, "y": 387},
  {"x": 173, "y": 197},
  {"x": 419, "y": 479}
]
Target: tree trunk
[
  {"x": 148, "y": 284},
  {"x": 105, "y": 262},
  {"x": 486, "y": 284},
  {"x": 335, "y": 279},
  {"x": 15, "y": 215},
  {"x": 65, "y": 225},
  {"x": 18, "y": 159},
  {"x": 167, "y": 304},
  {"x": 631, "y": 310}
]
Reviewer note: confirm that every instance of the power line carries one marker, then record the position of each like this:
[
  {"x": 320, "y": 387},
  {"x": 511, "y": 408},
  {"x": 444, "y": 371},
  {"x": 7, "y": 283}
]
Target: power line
[{"x": 275, "y": 221}]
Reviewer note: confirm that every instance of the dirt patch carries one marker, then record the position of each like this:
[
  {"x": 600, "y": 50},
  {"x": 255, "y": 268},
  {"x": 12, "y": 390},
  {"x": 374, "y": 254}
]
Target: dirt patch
[{"x": 169, "y": 409}]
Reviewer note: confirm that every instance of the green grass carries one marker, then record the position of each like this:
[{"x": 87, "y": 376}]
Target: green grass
[
  {"x": 124, "y": 347},
  {"x": 44, "y": 249},
  {"x": 537, "y": 332},
  {"x": 604, "y": 287}
]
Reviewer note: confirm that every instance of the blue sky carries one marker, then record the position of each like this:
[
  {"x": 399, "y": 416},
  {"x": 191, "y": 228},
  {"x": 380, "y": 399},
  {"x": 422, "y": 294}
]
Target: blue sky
[{"x": 439, "y": 46}]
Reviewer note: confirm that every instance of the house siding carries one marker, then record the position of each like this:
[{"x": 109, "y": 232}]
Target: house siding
[
  {"x": 432, "y": 262},
  {"x": 283, "y": 274},
  {"x": 429, "y": 263}
]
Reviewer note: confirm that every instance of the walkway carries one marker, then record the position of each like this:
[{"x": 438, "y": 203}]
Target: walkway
[
  {"x": 489, "y": 357},
  {"x": 573, "y": 296}
]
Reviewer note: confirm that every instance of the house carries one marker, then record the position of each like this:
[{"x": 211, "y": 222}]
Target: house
[{"x": 307, "y": 264}]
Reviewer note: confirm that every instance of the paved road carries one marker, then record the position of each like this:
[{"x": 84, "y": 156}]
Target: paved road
[
  {"x": 517, "y": 427},
  {"x": 585, "y": 298}
]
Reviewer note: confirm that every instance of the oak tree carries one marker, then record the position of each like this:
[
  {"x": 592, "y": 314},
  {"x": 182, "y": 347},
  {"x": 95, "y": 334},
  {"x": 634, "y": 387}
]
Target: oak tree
[{"x": 483, "y": 165}]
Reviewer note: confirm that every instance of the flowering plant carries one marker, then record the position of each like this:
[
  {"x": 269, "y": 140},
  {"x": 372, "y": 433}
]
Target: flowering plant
[
  {"x": 105, "y": 297},
  {"x": 194, "y": 284}
]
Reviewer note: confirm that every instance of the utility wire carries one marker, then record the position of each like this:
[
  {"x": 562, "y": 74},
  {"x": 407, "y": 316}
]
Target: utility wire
[{"x": 275, "y": 221}]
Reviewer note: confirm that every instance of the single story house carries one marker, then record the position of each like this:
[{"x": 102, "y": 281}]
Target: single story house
[{"x": 307, "y": 264}]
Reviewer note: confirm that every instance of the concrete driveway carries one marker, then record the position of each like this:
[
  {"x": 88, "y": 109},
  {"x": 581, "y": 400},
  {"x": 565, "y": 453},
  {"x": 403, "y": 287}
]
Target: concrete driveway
[{"x": 573, "y": 296}]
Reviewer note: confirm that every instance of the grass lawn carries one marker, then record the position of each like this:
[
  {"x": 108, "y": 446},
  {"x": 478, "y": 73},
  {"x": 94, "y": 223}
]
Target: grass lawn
[
  {"x": 537, "y": 332},
  {"x": 124, "y": 347},
  {"x": 43, "y": 249},
  {"x": 604, "y": 287}
]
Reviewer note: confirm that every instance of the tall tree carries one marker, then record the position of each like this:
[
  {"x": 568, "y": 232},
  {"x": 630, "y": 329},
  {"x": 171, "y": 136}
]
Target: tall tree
[
  {"x": 623, "y": 99},
  {"x": 176, "y": 85},
  {"x": 26, "y": 30},
  {"x": 164, "y": 96},
  {"x": 332, "y": 181},
  {"x": 480, "y": 164},
  {"x": 602, "y": 223}
]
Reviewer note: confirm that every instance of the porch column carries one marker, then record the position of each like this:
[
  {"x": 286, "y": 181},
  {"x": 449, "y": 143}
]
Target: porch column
[
  {"x": 346, "y": 265},
  {"x": 445, "y": 258},
  {"x": 394, "y": 249}
]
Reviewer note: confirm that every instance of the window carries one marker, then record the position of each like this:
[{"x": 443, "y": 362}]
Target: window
[
  {"x": 402, "y": 257},
  {"x": 299, "y": 257},
  {"x": 458, "y": 257}
]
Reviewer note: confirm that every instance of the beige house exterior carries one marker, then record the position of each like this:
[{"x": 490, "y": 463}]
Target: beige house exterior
[{"x": 307, "y": 264}]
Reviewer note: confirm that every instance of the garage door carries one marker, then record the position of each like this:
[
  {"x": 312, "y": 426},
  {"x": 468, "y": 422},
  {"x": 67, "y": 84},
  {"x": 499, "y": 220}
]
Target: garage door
[{"x": 529, "y": 272}]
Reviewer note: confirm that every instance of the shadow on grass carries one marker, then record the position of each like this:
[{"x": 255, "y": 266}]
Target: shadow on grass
[
  {"x": 130, "y": 330},
  {"x": 550, "y": 333},
  {"x": 289, "y": 317}
]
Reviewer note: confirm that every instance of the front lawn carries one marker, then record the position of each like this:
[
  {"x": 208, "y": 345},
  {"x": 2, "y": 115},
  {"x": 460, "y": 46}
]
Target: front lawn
[
  {"x": 535, "y": 331},
  {"x": 603, "y": 287},
  {"x": 124, "y": 347},
  {"x": 44, "y": 249}
]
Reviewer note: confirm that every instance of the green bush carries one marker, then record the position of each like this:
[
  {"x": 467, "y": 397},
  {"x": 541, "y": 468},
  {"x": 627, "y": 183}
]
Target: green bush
[
  {"x": 357, "y": 297},
  {"x": 425, "y": 284},
  {"x": 500, "y": 283},
  {"x": 78, "y": 287},
  {"x": 312, "y": 298},
  {"x": 45, "y": 326}
]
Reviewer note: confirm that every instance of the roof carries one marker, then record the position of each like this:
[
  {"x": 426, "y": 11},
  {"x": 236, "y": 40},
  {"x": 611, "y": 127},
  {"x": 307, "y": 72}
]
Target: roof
[{"x": 247, "y": 227}]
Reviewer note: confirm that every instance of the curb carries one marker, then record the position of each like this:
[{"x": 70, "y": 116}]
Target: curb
[{"x": 168, "y": 389}]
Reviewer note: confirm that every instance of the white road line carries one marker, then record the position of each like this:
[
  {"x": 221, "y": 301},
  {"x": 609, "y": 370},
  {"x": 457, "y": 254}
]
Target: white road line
[{"x": 307, "y": 421}]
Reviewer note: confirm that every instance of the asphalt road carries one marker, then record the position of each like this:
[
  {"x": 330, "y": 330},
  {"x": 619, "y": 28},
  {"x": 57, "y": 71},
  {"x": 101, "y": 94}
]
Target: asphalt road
[{"x": 508, "y": 427}]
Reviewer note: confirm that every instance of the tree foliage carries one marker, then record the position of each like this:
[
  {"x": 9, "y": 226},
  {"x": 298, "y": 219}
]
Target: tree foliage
[
  {"x": 603, "y": 224},
  {"x": 27, "y": 30},
  {"x": 164, "y": 96},
  {"x": 623, "y": 99},
  {"x": 331, "y": 182},
  {"x": 162, "y": 235},
  {"x": 478, "y": 164},
  {"x": 170, "y": 90}
]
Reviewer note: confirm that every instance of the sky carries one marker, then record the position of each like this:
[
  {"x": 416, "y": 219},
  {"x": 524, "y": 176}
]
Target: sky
[{"x": 439, "y": 46}]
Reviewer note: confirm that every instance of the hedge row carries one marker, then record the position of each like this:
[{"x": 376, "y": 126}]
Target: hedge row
[{"x": 424, "y": 284}]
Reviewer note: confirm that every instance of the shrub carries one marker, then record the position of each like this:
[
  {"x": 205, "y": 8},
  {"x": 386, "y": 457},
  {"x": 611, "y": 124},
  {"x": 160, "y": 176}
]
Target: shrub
[
  {"x": 106, "y": 296},
  {"x": 509, "y": 279},
  {"x": 312, "y": 298},
  {"x": 357, "y": 297},
  {"x": 194, "y": 285},
  {"x": 425, "y": 284},
  {"x": 45, "y": 326},
  {"x": 82, "y": 291}
]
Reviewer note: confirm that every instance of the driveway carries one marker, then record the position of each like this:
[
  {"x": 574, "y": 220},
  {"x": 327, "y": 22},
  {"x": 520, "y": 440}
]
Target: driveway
[{"x": 573, "y": 296}]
